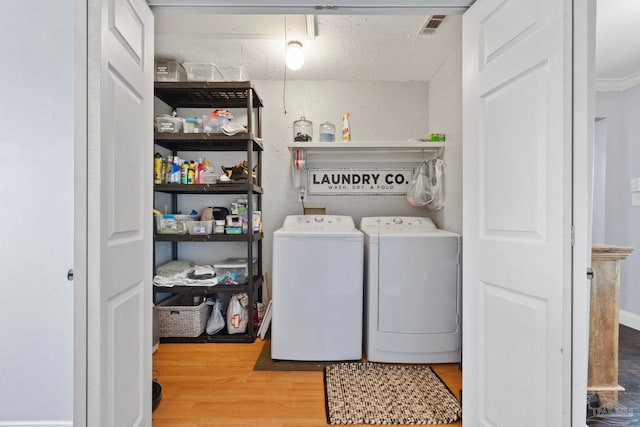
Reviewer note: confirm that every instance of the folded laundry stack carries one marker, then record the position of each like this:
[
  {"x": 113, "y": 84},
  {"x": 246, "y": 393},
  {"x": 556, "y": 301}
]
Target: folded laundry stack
[{"x": 184, "y": 273}]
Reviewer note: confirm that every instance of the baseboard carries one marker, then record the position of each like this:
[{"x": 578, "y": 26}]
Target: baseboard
[
  {"x": 36, "y": 424},
  {"x": 630, "y": 320}
]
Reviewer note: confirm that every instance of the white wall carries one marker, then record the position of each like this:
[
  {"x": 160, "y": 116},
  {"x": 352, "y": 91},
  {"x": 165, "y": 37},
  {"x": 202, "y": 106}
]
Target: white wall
[
  {"x": 622, "y": 221},
  {"x": 445, "y": 116},
  {"x": 36, "y": 204},
  {"x": 599, "y": 181},
  {"x": 380, "y": 111}
]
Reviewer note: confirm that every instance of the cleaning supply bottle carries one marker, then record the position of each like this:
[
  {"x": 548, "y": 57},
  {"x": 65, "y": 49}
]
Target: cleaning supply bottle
[
  {"x": 184, "y": 172},
  {"x": 163, "y": 170},
  {"x": 157, "y": 169},
  {"x": 175, "y": 170},
  {"x": 346, "y": 127},
  {"x": 199, "y": 166},
  {"x": 191, "y": 173},
  {"x": 167, "y": 170}
]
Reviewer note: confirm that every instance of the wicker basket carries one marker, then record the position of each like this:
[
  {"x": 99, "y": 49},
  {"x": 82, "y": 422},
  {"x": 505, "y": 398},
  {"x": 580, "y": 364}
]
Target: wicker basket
[{"x": 182, "y": 321}]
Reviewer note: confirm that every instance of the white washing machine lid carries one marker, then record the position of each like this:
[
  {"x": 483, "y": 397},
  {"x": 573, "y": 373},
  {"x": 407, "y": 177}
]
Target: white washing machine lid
[{"x": 318, "y": 222}]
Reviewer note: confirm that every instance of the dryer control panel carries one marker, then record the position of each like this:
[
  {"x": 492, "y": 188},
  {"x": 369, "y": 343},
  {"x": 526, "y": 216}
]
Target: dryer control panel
[{"x": 405, "y": 223}]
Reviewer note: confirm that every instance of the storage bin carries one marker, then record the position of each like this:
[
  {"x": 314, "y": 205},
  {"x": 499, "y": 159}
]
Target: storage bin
[
  {"x": 184, "y": 220},
  {"x": 197, "y": 72},
  {"x": 170, "y": 70},
  {"x": 200, "y": 227},
  {"x": 235, "y": 74},
  {"x": 192, "y": 125},
  {"x": 182, "y": 320},
  {"x": 168, "y": 124},
  {"x": 174, "y": 224},
  {"x": 233, "y": 270}
]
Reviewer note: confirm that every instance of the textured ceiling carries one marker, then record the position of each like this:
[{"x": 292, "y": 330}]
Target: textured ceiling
[{"x": 358, "y": 47}]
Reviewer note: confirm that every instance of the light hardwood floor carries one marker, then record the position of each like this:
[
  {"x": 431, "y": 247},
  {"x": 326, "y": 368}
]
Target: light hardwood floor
[{"x": 215, "y": 385}]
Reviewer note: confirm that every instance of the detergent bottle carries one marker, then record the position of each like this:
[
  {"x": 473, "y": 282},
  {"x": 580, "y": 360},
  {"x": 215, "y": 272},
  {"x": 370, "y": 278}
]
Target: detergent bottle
[
  {"x": 191, "y": 173},
  {"x": 346, "y": 127},
  {"x": 157, "y": 169},
  {"x": 184, "y": 172}
]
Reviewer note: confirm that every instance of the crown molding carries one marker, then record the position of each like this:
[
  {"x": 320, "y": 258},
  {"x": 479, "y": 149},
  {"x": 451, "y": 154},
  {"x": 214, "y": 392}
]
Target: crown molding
[{"x": 617, "y": 85}]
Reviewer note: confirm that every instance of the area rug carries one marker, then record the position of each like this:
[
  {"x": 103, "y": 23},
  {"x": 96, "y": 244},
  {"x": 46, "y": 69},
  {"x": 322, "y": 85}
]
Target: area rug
[
  {"x": 373, "y": 393},
  {"x": 266, "y": 363}
]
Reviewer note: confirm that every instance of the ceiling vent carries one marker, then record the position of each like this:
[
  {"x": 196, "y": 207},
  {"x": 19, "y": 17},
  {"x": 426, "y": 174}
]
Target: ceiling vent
[{"x": 431, "y": 24}]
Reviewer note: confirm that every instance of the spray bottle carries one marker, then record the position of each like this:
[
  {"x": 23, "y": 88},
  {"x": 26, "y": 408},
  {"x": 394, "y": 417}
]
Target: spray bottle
[
  {"x": 346, "y": 128},
  {"x": 175, "y": 170},
  {"x": 199, "y": 170}
]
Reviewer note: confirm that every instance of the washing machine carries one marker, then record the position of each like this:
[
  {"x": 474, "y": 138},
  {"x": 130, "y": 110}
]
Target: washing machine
[
  {"x": 317, "y": 287},
  {"x": 412, "y": 291}
]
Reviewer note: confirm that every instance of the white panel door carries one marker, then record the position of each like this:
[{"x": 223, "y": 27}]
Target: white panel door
[
  {"x": 119, "y": 199},
  {"x": 517, "y": 213}
]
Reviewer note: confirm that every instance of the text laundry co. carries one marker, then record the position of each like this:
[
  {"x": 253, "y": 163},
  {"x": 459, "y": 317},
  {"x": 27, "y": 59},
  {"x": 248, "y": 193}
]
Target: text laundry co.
[
  {"x": 376, "y": 181},
  {"x": 356, "y": 178}
]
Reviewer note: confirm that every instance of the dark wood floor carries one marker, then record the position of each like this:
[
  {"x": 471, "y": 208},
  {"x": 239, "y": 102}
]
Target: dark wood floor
[
  {"x": 628, "y": 414},
  {"x": 629, "y": 368}
]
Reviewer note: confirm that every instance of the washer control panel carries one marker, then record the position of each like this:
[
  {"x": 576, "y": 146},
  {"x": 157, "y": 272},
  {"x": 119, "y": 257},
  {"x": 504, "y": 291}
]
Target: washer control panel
[{"x": 318, "y": 222}]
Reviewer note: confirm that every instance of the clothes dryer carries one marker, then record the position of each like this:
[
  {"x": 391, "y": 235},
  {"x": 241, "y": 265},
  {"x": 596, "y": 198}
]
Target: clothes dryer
[
  {"x": 412, "y": 291},
  {"x": 317, "y": 289}
]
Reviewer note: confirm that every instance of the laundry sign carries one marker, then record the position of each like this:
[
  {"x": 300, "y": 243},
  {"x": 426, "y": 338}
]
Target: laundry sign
[{"x": 358, "y": 181}]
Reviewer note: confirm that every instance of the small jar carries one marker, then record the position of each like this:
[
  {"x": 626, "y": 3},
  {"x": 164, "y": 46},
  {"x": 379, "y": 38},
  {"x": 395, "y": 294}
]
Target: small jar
[
  {"x": 302, "y": 130},
  {"x": 327, "y": 132}
]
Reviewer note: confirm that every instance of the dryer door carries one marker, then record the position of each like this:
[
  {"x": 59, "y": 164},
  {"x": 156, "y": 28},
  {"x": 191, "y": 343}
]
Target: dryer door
[{"x": 418, "y": 288}]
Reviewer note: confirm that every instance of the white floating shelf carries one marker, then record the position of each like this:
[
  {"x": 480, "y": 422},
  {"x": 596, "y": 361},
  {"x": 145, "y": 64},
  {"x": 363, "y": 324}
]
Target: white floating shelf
[
  {"x": 351, "y": 155},
  {"x": 392, "y": 146}
]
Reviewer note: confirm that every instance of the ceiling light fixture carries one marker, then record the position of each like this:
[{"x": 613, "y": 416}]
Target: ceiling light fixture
[{"x": 294, "y": 55}]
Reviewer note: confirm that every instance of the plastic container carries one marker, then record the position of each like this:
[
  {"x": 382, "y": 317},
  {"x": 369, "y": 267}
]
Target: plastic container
[
  {"x": 327, "y": 132},
  {"x": 184, "y": 220},
  {"x": 192, "y": 125},
  {"x": 302, "y": 130},
  {"x": 170, "y": 70},
  {"x": 174, "y": 224},
  {"x": 168, "y": 124},
  {"x": 235, "y": 74},
  {"x": 213, "y": 124},
  {"x": 203, "y": 72},
  {"x": 233, "y": 270},
  {"x": 166, "y": 225},
  {"x": 219, "y": 226},
  {"x": 200, "y": 227}
]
